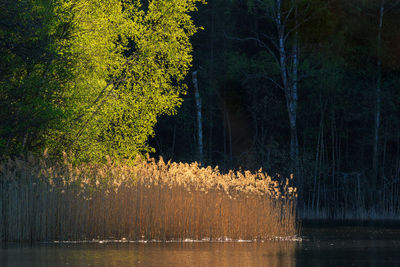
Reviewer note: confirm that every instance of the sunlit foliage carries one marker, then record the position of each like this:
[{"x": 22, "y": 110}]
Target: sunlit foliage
[{"x": 105, "y": 71}]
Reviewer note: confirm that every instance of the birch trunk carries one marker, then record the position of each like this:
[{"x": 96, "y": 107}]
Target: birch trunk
[{"x": 289, "y": 81}]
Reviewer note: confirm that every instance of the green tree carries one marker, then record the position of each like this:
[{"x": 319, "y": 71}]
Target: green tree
[
  {"x": 27, "y": 84},
  {"x": 117, "y": 66}
]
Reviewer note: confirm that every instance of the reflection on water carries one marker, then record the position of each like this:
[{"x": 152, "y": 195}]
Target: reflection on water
[
  {"x": 349, "y": 246},
  {"x": 152, "y": 254},
  {"x": 345, "y": 246}
]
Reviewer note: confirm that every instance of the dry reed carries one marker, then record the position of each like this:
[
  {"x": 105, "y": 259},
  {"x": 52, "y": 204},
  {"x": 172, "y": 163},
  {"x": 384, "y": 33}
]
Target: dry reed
[{"x": 146, "y": 200}]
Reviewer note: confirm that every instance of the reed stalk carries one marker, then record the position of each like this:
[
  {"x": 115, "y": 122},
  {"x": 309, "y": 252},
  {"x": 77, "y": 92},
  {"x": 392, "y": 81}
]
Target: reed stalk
[{"x": 146, "y": 200}]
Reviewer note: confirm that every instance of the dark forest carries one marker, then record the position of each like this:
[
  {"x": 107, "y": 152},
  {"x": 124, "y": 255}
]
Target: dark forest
[{"x": 310, "y": 87}]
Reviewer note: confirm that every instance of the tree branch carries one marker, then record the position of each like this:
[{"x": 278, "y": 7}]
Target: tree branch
[{"x": 259, "y": 42}]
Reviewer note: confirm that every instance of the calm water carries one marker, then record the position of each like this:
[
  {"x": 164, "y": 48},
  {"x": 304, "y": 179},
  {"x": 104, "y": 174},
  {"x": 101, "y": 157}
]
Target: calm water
[{"x": 344, "y": 246}]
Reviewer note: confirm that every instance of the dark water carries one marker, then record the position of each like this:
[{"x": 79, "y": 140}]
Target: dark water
[{"x": 344, "y": 246}]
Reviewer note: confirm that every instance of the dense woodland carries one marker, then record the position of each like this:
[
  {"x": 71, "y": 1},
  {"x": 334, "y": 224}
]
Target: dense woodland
[{"x": 308, "y": 87}]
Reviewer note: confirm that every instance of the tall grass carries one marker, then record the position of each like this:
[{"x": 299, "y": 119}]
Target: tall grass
[
  {"x": 350, "y": 197},
  {"x": 40, "y": 200}
]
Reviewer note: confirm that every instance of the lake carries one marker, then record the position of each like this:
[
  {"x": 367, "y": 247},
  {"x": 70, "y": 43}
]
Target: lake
[{"x": 339, "y": 246}]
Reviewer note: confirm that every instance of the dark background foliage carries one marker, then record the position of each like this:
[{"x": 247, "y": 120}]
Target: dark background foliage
[{"x": 245, "y": 118}]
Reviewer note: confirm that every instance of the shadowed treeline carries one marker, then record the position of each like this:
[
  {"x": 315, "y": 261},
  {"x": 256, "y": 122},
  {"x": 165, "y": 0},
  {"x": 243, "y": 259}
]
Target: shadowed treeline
[{"x": 314, "y": 94}]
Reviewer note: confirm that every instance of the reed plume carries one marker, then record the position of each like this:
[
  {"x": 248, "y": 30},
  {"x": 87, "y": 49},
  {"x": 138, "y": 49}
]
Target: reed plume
[{"x": 144, "y": 200}]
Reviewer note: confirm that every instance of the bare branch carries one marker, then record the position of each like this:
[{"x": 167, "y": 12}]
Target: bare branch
[
  {"x": 361, "y": 10},
  {"x": 264, "y": 76},
  {"x": 260, "y": 43},
  {"x": 271, "y": 39},
  {"x": 292, "y": 8},
  {"x": 306, "y": 19},
  {"x": 395, "y": 4}
]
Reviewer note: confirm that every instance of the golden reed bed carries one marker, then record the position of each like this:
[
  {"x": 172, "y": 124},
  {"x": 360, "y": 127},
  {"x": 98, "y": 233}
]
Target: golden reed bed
[{"x": 144, "y": 200}]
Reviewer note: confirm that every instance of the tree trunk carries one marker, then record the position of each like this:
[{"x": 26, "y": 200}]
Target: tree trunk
[
  {"x": 294, "y": 150},
  {"x": 378, "y": 96},
  {"x": 199, "y": 126},
  {"x": 289, "y": 82}
]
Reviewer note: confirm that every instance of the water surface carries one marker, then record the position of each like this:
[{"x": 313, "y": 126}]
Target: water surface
[{"x": 344, "y": 246}]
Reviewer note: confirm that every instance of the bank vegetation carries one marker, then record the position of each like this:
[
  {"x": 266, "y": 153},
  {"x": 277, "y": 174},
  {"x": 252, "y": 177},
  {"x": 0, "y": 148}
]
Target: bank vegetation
[{"x": 143, "y": 200}]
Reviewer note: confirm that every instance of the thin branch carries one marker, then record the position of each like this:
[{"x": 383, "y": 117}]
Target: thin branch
[
  {"x": 288, "y": 14},
  {"x": 272, "y": 40},
  {"x": 264, "y": 76},
  {"x": 78, "y": 135},
  {"x": 395, "y": 4},
  {"x": 297, "y": 27},
  {"x": 115, "y": 84},
  {"x": 259, "y": 42},
  {"x": 112, "y": 82}
]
